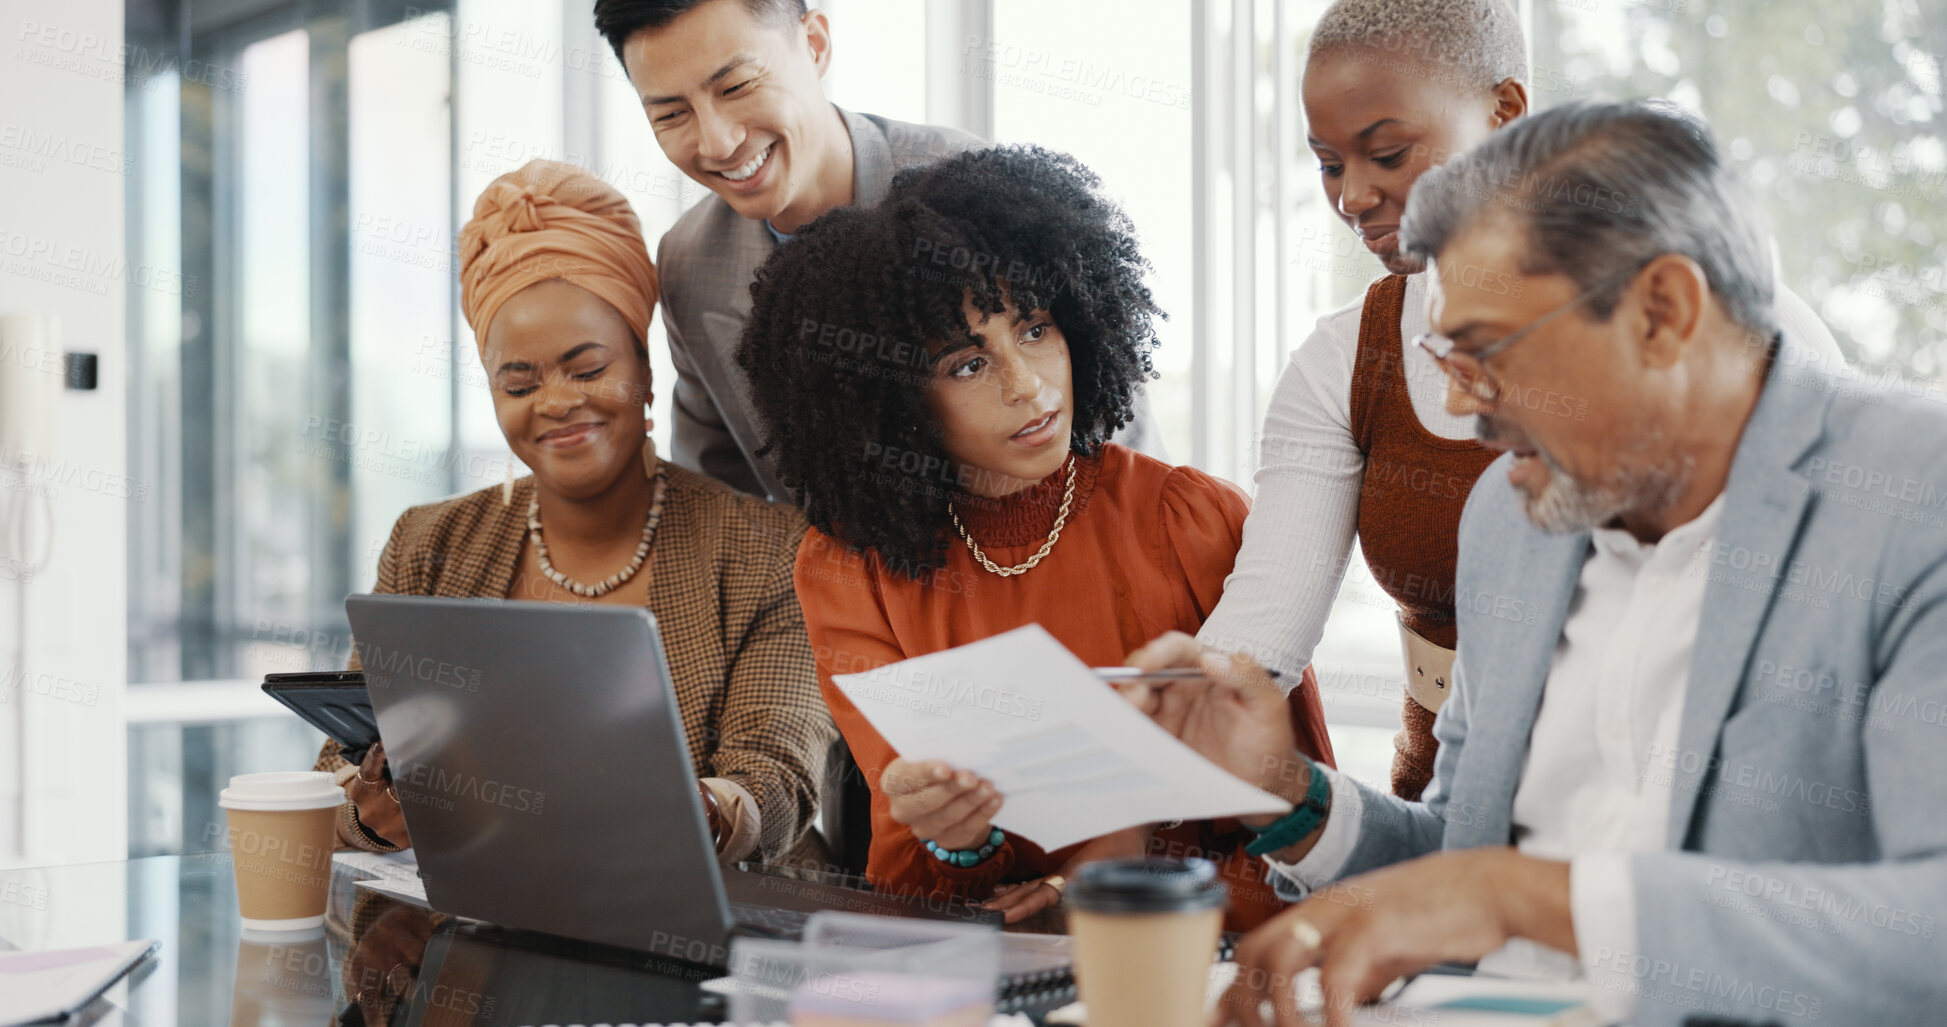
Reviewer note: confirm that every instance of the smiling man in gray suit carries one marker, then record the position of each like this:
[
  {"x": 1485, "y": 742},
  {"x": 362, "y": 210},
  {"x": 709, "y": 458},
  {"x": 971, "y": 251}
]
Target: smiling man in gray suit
[
  {"x": 731, "y": 89},
  {"x": 1695, "y": 751}
]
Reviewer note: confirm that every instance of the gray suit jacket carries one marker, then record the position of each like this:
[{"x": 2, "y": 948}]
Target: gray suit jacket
[
  {"x": 1806, "y": 874},
  {"x": 707, "y": 261}
]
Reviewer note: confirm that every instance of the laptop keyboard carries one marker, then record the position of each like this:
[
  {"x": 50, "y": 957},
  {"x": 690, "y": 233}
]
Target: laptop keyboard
[{"x": 784, "y": 923}]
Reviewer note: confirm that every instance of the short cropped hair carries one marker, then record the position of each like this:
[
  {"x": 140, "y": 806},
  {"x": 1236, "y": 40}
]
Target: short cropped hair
[
  {"x": 1478, "y": 42},
  {"x": 847, "y": 320},
  {"x": 1599, "y": 189},
  {"x": 617, "y": 20}
]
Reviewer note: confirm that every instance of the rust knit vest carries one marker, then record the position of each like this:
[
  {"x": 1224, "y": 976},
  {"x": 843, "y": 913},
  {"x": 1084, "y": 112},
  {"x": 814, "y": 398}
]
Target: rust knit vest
[{"x": 1409, "y": 506}]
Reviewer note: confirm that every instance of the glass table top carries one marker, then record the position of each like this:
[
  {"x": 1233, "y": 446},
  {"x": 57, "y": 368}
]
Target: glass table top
[{"x": 376, "y": 961}]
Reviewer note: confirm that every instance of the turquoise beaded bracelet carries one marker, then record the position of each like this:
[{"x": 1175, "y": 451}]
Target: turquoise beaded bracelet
[
  {"x": 1301, "y": 821},
  {"x": 968, "y": 857}
]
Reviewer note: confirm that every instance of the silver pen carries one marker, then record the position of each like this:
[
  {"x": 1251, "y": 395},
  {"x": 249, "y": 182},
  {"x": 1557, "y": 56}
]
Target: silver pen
[{"x": 1167, "y": 674}]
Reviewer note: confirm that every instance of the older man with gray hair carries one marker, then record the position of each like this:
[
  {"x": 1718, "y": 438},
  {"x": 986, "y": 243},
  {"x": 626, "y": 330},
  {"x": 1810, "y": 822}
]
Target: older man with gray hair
[{"x": 1694, "y": 749}]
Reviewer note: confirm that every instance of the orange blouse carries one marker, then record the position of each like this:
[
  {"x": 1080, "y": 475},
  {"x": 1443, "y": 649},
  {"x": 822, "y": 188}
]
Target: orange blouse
[{"x": 1146, "y": 550}]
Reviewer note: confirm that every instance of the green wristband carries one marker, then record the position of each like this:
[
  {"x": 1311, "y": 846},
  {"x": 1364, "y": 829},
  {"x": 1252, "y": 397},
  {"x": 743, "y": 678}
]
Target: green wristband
[{"x": 1301, "y": 821}]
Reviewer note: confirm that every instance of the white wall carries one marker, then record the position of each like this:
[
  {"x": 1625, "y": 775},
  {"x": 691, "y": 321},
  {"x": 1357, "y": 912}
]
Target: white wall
[{"x": 62, "y": 176}]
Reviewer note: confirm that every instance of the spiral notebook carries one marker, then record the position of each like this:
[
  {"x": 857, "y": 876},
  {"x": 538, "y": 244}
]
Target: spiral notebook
[
  {"x": 1036, "y": 973},
  {"x": 1009, "y": 1020}
]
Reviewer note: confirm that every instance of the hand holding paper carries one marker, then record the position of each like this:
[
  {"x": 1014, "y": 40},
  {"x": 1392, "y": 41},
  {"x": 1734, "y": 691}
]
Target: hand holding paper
[
  {"x": 1071, "y": 758},
  {"x": 1229, "y": 709},
  {"x": 949, "y": 805}
]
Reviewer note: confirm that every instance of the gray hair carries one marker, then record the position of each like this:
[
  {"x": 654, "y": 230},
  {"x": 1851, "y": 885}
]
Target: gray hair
[
  {"x": 1478, "y": 41},
  {"x": 1602, "y": 188}
]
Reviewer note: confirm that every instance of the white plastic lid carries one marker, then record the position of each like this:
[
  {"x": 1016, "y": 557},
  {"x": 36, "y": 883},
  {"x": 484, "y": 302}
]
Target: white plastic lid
[
  {"x": 282, "y": 790},
  {"x": 285, "y": 931}
]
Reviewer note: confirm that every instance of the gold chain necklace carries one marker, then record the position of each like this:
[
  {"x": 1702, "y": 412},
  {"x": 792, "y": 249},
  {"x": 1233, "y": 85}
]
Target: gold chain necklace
[{"x": 1061, "y": 518}]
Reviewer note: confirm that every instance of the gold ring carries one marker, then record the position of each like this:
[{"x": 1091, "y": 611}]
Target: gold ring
[
  {"x": 1307, "y": 934},
  {"x": 1058, "y": 883}
]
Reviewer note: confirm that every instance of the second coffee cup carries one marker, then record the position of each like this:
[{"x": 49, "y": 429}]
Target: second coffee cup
[
  {"x": 280, "y": 843},
  {"x": 1145, "y": 937}
]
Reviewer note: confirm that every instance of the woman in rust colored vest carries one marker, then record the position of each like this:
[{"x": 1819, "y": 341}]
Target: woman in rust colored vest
[{"x": 1357, "y": 437}]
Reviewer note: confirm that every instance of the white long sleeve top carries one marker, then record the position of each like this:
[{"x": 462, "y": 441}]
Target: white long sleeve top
[{"x": 1310, "y": 474}]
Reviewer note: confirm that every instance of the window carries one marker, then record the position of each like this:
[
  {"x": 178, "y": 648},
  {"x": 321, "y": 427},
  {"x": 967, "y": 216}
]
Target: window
[
  {"x": 511, "y": 79},
  {"x": 405, "y": 371},
  {"x": 1832, "y": 113},
  {"x": 270, "y": 452},
  {"x": 1116, "y": 93},
  {"x": 878, "y": 57}
]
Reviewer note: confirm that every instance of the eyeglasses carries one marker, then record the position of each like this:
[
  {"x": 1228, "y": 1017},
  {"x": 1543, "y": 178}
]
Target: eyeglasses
[{"x": 1469, "y": 369}]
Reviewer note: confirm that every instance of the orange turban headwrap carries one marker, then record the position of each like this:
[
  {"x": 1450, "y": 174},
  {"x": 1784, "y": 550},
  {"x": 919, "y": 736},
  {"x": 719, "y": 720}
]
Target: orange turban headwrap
[{"x": 552, "y": 220}]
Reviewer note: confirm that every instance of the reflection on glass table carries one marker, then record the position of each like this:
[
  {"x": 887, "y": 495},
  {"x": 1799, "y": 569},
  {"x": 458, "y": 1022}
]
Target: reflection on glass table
[{"x": 376, "y": 961}]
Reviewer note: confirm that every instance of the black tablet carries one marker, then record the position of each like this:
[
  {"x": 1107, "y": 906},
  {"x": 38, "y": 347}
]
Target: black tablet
[{"x": 333, "y": 702}]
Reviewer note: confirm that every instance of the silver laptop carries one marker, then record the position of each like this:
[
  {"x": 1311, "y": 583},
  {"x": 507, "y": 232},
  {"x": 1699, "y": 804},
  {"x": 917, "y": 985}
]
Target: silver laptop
[{"x": 538, "y": 752}]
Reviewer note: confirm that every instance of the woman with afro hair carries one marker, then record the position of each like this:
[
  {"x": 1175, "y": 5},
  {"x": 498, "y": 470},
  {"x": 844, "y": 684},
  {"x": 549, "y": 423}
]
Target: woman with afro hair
[{"x": 939, "y": 377}]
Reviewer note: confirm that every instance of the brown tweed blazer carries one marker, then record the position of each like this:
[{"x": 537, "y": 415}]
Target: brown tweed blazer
[{"x": 720, "y": 587}]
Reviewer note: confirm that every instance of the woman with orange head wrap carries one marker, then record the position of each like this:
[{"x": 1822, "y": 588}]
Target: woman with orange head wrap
[{"x": 557, "y": 283}]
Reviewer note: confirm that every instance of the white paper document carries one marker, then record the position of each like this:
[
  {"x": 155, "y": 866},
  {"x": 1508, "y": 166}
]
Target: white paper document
[
  {"x": 1072, "y": 759},
  {"x": 394, "y": 874},
  {"x": 412, "y": 893},
  {"x": 379, "y": 866},
  {"x": 1445, "y": 999}
]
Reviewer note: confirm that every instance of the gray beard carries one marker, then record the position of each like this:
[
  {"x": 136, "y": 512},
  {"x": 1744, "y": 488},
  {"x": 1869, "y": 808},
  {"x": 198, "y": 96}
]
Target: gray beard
[{"x": 1569, "y": 505}]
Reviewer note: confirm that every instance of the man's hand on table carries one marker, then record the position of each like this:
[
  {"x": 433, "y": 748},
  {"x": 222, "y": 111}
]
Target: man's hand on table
[{"x": 1366, "y": 931}]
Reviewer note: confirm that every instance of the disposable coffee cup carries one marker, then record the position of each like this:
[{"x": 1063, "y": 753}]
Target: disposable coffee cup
[
  {"x": 280, "y": 842},
  {"x": 1145, "y": 937}
]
